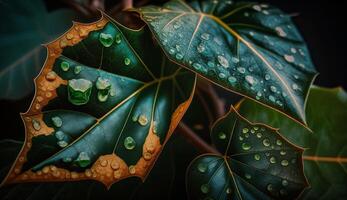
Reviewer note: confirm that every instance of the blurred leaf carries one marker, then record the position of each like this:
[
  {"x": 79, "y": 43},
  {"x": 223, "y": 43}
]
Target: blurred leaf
[
  {"x": 325, "y": 158},
  {"x": 26, "y": 25},
  {"x": 103, "y": 107},
  {"x": 257, "y": 163},
  {"x": 252, "y": 49}
]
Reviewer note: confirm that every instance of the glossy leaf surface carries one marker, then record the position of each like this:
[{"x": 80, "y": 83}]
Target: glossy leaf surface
[
  {"x": 249, "y": 48},
  {"x": 325, "y": 157},
  {"x": 104, "y": 107},
  {"x": 257, "y": 163},
  {"x": 26, "y": 25}
]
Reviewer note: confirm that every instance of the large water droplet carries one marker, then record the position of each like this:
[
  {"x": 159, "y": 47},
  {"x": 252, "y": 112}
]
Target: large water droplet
[
  {"x": 79, "y": 91},
  {"x": 65, "y": 66},
  {"x": 106, "y": 39},
  {"x": 202, "y": 167},
  {"x": 103, "y": 85},
  {"x": 143, "y": 120},
  {"x": 251, "y": 80},
  {"x": 205, "y": 188},
  {"x": 83, "y": 159},
  {"x": 57, "y": 122},
  {"x": 282, "y": 153},
  {"x": 245, "y": 130},
  {"x": 259, "y": 135},
  {"x": 223, "y": 61},
  {"x": 129, "y": 143}
]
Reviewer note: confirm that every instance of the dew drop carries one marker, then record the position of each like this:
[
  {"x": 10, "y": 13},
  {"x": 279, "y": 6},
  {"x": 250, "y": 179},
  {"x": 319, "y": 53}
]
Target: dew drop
[
  {"x": 273, "y": 160},
  {"x": 284, "y": 163},
  {"x": 211, "y": 64},
  {"x": 106, "y": 39},
  {"x": 62, "y": 143},
  {"x": 132, "y": 169},
  {"x": 77, "y": 69},
  {"x": 256, "y": 157},
  {"x": 279, "y": 142},
  {"x": 251, "y": 80},
  {"x": 232, "y": 79},
  {"x": 172, "y": 51},
  {"x": 67, "y": 159},
  {"x": 266, "y": 142},
  {"x": 295, "y": 86},
  {"x": 179, "y": 56},
  {"x": 280, "y": 32},
  {"x": 200, "y": 48},
  {"x": 57, "y": 122},
  {"x": 83, "y": 159},
  {"x": 202, "y": 167},
  {"x": 205, "y": 36},
  {"x": 245, "y": 130},
  {"x": 289, "y": 58},
  {"x": 235, "y": 60},
  {"x": 118, "y": 38},
  {"x": 241, "y": 70},
  {"x": 272, "y": 98},
  {"x": 246, "y": 146},
  {"x": 269, "y": 187},
  {"x": 205, "y": 188},
  {"x": 222, "y": 136},
  {"x": 36, "y": 124},
  {"x": 248, "y": 176},
  {"x": 267, "y": 77},
  {"x": 273, "y": 88},
  {"x": 127, "y": 61},
  {"x": 197, "y": 66},
  {"x": 129, "y": 143},
  {"x": 79, "y": 91},
  {"x": 60, "y": 135},
  {"x": 284, "y": 182},
  {"x": 283, "y": 153},
  {"x": 51, "y": 76},
  {"x": 142, "y": 120},
  {"x": 64, "y": 66},
  {"x": 221, "y": 75},
  {"x": 223, "y": 61},
  {"x": 259, "y": 135}
]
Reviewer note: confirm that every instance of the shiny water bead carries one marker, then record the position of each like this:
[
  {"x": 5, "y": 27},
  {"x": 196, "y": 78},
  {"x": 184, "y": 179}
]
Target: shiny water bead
[
  {"x": 77, "y": 69},
  {"x": 273, "y": 88},
  {"x": 257, "y": 157},
  {"x": 57, "y": 122},
  {"x": 223, "y": 61},
  {"x": 79, "y": 91},
  {"x": 245, "y": 130},
  {"x": 246, "y": 146},
  {"x": 179, "y": 56},
  {"x": 65, "y": 66},
  {"x": 251, "y": 80},
  {"x": 282, "y": 153},
  {"x": 289, "y": 58},
  {"x": 202, "y": 167},
  {"x": 51, "y": 76},
  {"x": 62, "y": 143},
  {"x": 200, "y": 48},
  {"x": 129, "y": 143},
  {"x": 269, "y": 187},
  {"x": 103, "y": 85},
  {"x": 106, "y": 39},
  {"x": 284, "y": 182},
  {"x": 267, "y": 77},
  {"x": 59, "y": 135},
  {"x": 132, "y": 169},
  {"x": 127, "y": 61},
  {"x": 36, "y": 124},
  {"x": 295, "y": 86},
  {"x": 232, "y": 79},
  {"x": 266, "y": 142},
  {"x": 241, "y": 70},
  {"x": 143, "y": 120},
  {"x": 83, "y": 159},
  {"x": 205, "y": 188},
  {"x": 284, "y": 163},
  {"x": 197, "y": 66},
  {"x": 67, "y": 159},
  {"x": 248, "y": 176},
  {"x": 205, "y": 36},
  {"x": 118, "y": 38},
  {"x": 273, "y": 160},
  {"x": 222, "y": 135},
  {"x": 279, "y": 142},
  {"x": 228, "y": 191}
]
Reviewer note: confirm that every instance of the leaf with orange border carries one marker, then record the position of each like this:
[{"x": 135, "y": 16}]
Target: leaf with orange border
[
  {"x": 325, "y": 157},
  {"x": 106, "y": 102}
]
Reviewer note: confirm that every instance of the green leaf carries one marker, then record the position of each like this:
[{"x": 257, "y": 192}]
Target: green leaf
[
  {"x": 106, "y": 102},
  {"x": 325, "y": 157},
  {"x": 251, "y": 49},
  {"x": 257, "y": 163},
  {"x": 28, "y": 25}
]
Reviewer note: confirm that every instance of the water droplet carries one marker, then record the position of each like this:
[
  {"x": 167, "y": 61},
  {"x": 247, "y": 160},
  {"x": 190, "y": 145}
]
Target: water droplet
[
  {"x": 251, "y": 80},
  {"x": 172, "y": 51},
  {"x": 205, "y": 188},
  {"x": 106, "y": 39},
  {"x": 272, "y": 160},
  {"x": 142, "y": 120},
  {"x": 256, "y": 157},
  {"x": 222, "y": 135},
  {"x": 284, "y": 182},
  {"x": 83, "y": 159},
  {"x": 221, "y": 75},
  {"x": 245, "y": 130},
  {"x": 197, "y": 66},
  {"x": 257, "y": 8},
  {"x": 272, "y": 98},
  {"x": 64, "y": 66},
  {"x": 283, "y": 153},
  {"x": 295, "y": 86},
  {"x": 223, "y": 61},
  {"x": 200, "y": 48},
  {"x": 267, "y": 77},
  {"x": 62, "y": 143},
  {"x": 228, "y": 191},
  {"x": 248, "y": 176},
  {"x": 205, "y": 36},
  {"x": 284, "y": 163},
  {"x": 269, "y": 187},
  {"x": 211, "y": 64},
  {"x": 118, "y": 38},
  {"x": 241, "y": 70},
  {"x": 79, "y": 91},
  {"x": 36, "y": 124},
  {"x": 279, "y": 142},
  {"x": 293, "y": 50},
  {"x": 266, "y": 142},
  {"x": 232, "y": 79},
  {"x": 103, "y": 85},
  {"x": 273, "y": 88},
  {"x": 289, "y": 58},
  {"x": 240, "y": 138},
  {"x": 235, "y": 60},
  {"x": 280, "y": 32},
  {"x": 179, "y": 56},
  {"x": 132, "y": 169},
  {"x": 129, "y": 143},
  {"x": 57, "y": 122},
  {"x": 77, "y": 69},
  {"x": 67, "y": 159},
  {"x": 59, "y": 135},
  {"x": 202, "y": 167},
  {"x": 246, "y": 146},
  {"x": 51, "y": 76},
  {"x": 127, "y": 61},
  {"x": 259, "y": 135}
]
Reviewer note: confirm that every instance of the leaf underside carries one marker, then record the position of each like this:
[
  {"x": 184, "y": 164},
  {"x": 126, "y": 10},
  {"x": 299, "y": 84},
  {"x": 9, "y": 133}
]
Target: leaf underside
[
  {"x": 249, "y": 48},
  {"x": 103, "y": 108},
  {"x": 325, "y": 157},
  {"x": 257, "y": 163}
]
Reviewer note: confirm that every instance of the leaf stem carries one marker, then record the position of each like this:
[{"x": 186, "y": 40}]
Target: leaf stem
[{"x": 201, "y": 145}]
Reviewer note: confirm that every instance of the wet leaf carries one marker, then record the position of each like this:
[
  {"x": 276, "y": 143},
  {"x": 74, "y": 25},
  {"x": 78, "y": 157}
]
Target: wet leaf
[
  {"x": 104, "y": 106},
  {"x": 28, "y": 25},
  {"x": 325, "y": 157},
  {"x": 257, "y": 163},
  {"x": 249, "y": 48}
]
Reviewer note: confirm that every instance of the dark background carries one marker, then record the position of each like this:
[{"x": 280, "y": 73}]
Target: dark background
[{"x": 322, "y": 24}]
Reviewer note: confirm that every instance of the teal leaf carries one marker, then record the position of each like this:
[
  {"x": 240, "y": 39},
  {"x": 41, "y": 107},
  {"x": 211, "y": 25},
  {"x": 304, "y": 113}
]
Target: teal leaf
[
  {"x": 109, "y": 119},
  {"x": 325, "y": 157},
  {"x": 256, "y": 163},
  {"x": 26, "y": 26},
  {"x": 249, "y": 48}
]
